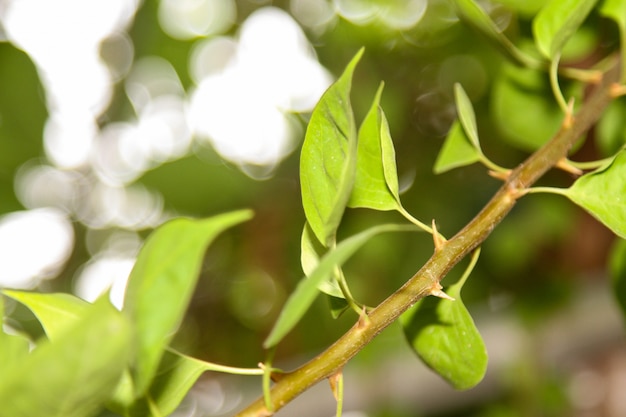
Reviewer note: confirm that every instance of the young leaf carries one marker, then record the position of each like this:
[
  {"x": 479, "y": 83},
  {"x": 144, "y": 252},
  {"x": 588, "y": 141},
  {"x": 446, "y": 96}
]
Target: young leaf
[
  {"x": 466, "y": 115},
  {"x": 376, "y": 181},
  {"x": 311, "y": 251},
  {"x": 328, "y": 158},
  {"x": 161, "y": 284},
  {"x": 55, "y": 311},
  {"x": 556, "y": 22},
  {"x": 601, "y": 193},
  {"x": 73, "y": 375},
  {"x": 457, "y": 151},
  {"x": 306, "y": 291},
  {"x": 444, "y": 336},
  {"x": 617, "y": 269}
]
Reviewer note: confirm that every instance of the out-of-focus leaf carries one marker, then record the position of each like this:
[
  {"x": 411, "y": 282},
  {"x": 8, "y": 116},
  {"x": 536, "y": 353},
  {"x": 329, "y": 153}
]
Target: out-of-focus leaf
[
  {"x": 616, "y": 10},
  {"x": 556, "y": 22},
  {"x": 474, "y": 15},
  {"x": 161, "y": 284},
  {"x": 73, "y": 375},
  {"x": 306, "y": 291},
  {"x": 176, "y": 375},
  {"x": 12, "y": 346},
  {"x": 376, "y": 180},
  {"x": 611, "y": 131},
  {"x": 525, "y": 8},
  {"x": 54, "y": 311},
  {"x": 617, "y": 268},
  {"x": 444, "y": 336},
  {"x": 601, "y": 193},
  {"x": 523, "y": 107},
  {"x": 457, "y": 151},
  {"x": 328, "y": 158}
]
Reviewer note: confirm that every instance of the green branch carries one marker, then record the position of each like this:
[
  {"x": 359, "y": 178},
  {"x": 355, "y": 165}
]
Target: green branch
[{"x": 426, "y": 280}]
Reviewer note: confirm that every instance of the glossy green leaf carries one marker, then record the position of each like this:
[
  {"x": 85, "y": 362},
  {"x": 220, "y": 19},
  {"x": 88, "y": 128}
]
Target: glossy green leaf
[
  {"x": 311, "y": 251},
  {"x": 457, "y": 151},
  {"x": 306, "y": 291},
  {"x": 470, "y": 12},
  {"x": 73, "y": 375},
  {"x": 55, "y": 311},
  {"x": 162, "y": 282},
  {"x": 376, "y": 181},
  {"x": 328, "y": 158},
  {"x": 602, "y": 194},
  {"x": 616, "y": 10},
  {"x": 444, "y": 336},
  {"x": 556, "y": 22},
  {"x": 617, "y": 269}
]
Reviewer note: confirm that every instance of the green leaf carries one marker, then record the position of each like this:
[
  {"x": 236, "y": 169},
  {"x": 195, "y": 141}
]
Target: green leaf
[
  {"x": 176, "y": 376},
  {"x": 556, "y": 22},
  {"x": 73, "y": 375},
  {"x": 617, "y": 269},
  {"x": 616, "y": 10},
  {"x": 311, "y": 251},
  {"x": 611, "y": 130},
  {"x": 13, "y": 346},
  {"x": 466, "y": 115},
  {"x": 523, "y": 108},
  {"x": 457, "y": 151},
  {"x": 376, "y": 181},
  {"x": 306, "y": 291},
  {"x": 444, "y": 336},
  {"x": 602, "y": 193},
  {"x": 328, "y": 158},
  {"x": 162, "y": 282},
  {"x": 474, "y": 15},
  {"x": 54, "y": 311}
]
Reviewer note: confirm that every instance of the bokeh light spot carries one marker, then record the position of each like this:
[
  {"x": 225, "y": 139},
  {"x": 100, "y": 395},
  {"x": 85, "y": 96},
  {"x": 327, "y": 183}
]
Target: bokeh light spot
[
  {"x": 34, "y": 245},
  {"x": 188, "y": 19}
]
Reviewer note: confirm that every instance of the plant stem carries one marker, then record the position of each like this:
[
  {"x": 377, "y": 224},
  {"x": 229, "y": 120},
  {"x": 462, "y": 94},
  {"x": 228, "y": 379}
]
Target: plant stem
[{"x": 454, "y": 250}]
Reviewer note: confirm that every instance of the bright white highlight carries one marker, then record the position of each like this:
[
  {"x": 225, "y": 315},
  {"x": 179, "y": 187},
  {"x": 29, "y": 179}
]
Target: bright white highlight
[
  {"x": 104, "y": 273},
  {"x": 76, "y": 80},
  {"x": 34, "y": 245},
  {"x": 241, "y": 104},
  {"x": 188, "y": 19}
]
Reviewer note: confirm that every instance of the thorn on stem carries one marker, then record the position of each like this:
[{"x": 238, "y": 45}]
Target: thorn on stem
[
  {"x": 334, "y": 383},
  {"x": 364, "y": 319},
  {"x": 438, "y": 239},
  {"x": 617, "y": 90},
  {"x": 436, "y": 290},
  {"x": 499, "y": 175},
  {"x": 566, "y": 166},
  {"x": 568, "y": 121}
]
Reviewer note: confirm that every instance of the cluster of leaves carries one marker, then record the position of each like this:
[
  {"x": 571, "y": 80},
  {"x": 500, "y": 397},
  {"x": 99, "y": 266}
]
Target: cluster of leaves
[{"x": 94, "y": 355}]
